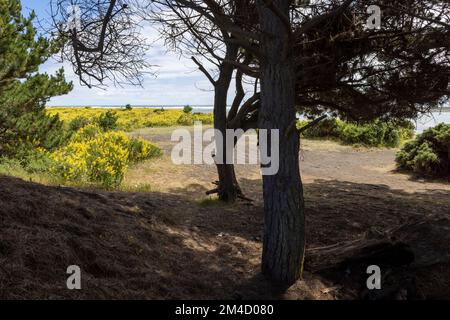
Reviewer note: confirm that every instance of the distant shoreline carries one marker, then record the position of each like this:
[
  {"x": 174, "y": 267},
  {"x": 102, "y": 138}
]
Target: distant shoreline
[
  {"x": 195, "y": 108},
  {"x": 134, "y": 106},
  {"x": 205, "y": 107}
]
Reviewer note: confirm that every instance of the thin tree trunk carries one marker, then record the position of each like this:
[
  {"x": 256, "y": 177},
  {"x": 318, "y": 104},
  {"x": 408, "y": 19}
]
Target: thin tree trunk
[
  {"x": 284, "y": 238},
  {"x": 228, "y": 187}
]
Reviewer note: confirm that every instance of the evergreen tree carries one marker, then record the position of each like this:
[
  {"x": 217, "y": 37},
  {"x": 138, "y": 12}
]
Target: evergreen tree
[{"x": 23, "y": 90}]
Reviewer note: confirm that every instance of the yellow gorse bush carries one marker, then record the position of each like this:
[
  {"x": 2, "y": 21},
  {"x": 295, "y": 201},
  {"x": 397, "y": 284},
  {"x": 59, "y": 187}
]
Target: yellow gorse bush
[
  {"x": 135, "y": 118},
  {"x": 100, "y": 157},
  {"x": 93, "y": 155}
]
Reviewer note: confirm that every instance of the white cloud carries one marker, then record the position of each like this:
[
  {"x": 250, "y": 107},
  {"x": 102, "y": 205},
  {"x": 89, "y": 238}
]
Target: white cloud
[{"x": 176, "y": 81}]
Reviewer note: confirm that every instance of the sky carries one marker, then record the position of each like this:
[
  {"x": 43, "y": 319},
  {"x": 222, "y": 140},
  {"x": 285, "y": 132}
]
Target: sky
[{"x": 177, "y": 80}]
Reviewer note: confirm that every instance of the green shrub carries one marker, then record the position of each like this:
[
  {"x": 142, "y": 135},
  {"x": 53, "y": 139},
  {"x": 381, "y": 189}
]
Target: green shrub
[
  {"x": 187, "y": 109},
  {"x": 128, "y": 107},
  {"x": 372, "y": 134},
  {"x": 378, "y": 133},
  {"x": 78, "y": 123},
  {"x": 428, "y": 154},
  {"x": 34, "y": 160},
  {"x": 407, "y": 129},
  {"x": 392, "y": 137},
  {"x": 108, "y": 120},
  {"x": 31, "y": 160},
  {"x": 35, "y": 130},
  {"x": 375, "y": 134},
  {"x": 327, "y": 128},
  {"x": 185, "y": 120},
  {"x": 142, "y": 150}
]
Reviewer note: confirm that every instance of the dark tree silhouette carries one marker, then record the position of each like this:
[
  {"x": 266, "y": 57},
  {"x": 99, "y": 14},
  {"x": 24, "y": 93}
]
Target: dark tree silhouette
[
  {"x": 397, "y": 71},
  {"x": 101, "y": 39},
  {"x": 195, "y": 35}
]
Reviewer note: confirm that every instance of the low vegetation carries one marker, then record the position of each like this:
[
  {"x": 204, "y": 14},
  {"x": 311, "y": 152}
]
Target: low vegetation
[
  {"x": 82, "y": 151},
  {"x": 89, "y": 146},
  {"x": 374, "y": 134},
  {"x": 94, "y": 155},
  {"x": 131, "y": 119},
  {"x": 429, "y": 154}
]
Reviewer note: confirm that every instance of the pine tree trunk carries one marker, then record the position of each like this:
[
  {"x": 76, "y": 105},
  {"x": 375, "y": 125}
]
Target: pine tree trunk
[
  {"x": 284, "y": 238},
  {"x": 228, "y": 187}
]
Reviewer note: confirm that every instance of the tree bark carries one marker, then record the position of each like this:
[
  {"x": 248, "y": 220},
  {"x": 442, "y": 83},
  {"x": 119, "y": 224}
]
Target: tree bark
[
  {"x": 228, "y": 187},
  {"x": 284, "y": 238}
]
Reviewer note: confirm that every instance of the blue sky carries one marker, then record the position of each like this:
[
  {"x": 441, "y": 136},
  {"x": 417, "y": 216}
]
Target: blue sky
[{"x": 177, "y": 80}]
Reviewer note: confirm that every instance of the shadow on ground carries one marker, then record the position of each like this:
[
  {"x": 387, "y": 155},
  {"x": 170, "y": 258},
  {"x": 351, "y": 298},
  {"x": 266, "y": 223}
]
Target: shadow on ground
[{"x": 168, "y": 246}]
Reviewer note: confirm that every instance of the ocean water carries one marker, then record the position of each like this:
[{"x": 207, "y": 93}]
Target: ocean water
[{"x": 431, "y": 120}]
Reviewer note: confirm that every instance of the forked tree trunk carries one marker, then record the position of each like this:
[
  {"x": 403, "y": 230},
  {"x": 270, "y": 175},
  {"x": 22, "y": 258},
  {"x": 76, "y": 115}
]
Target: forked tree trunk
[
  {"x": 228, "y": 187},
  {"x": 284, "y": 238}
]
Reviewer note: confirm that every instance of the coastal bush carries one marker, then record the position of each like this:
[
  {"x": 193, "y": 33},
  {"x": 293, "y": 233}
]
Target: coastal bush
[
  {"x": 108, "y": 120},
  {"x": 33, "y": 160},
  {"x": 428, "y": 154},
  {"x": 100, "y": 157},
  {"x": 187, "y": 109},
  {"x": 375, "y": 134},
  {"x": 140, "y": 150},
  {"x": 327, "y": 128},
  {"x": 78, "y": 123},
  {"x": 185, "y": 120},
  {"x": 28, "y": 163}
]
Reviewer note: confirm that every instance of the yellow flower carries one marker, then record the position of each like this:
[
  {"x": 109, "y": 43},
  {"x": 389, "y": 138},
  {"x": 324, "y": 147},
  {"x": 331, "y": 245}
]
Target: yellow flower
[{"x": 100, "y": 157}]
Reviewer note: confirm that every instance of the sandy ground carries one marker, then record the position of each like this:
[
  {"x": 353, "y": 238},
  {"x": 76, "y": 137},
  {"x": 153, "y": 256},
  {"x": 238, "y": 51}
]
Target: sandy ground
[
  {"x": 171, "y": 243},
  {"x": 320, "y": 161}
]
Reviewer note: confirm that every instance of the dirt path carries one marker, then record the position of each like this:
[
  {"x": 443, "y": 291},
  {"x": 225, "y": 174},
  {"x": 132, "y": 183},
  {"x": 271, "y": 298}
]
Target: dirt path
[{"x": 320, "y": 160}]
